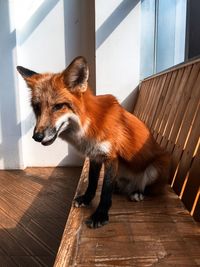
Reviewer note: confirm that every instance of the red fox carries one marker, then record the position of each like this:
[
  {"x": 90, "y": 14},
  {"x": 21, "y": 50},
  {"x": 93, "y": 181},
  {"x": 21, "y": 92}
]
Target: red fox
[{"x": 101, "y": 129}]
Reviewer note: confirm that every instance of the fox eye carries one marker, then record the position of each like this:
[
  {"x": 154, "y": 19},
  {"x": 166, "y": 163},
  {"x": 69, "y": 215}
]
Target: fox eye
[
  {"x": 37, "y": 108},
  {"x": 59, "y": 106}
]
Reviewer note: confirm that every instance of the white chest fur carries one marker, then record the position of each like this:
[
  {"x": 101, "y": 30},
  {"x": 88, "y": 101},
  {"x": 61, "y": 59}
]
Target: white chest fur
[{"x": 91, "y": 148}]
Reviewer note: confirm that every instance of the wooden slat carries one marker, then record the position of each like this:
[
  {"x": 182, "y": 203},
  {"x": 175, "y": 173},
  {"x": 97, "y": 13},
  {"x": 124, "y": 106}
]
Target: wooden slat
[
  {"x": 172, "y": 113},
  {"x": 146, "y": 103},
  {"x": 152, "y": 96},
  {"x": 140, "y": 100},
  {"x": 182, "y": 106},
  {"x": 185, "y": 127},
  {"x": 156, "y": 100},
  {"x": 162, "y": 115},
  {"x": 196, "y": 213},
  {"x": 193, "y": 183},
  {"x": 160, "y": 106},
  {"x": 188, "y": 153},
  {"x": 178, "y": 92},
  {"x": 169, "y": 106}
]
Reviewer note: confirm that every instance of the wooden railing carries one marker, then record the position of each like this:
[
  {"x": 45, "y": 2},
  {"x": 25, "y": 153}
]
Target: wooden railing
[{"x": 169, "y": 104}]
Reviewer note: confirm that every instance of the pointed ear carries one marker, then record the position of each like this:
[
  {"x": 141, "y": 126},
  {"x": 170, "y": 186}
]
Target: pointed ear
[
  {"x": 76, "y": 75},
  {"x": 26, "y": 73}
]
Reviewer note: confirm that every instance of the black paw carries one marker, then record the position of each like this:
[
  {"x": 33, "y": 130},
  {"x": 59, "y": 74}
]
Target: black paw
[
  {"x": 97, "y": 220},
  {"x": 81, "y": 201}
]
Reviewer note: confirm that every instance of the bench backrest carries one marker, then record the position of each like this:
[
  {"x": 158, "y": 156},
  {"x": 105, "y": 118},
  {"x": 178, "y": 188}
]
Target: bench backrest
[{"x": 169, "y": 104}]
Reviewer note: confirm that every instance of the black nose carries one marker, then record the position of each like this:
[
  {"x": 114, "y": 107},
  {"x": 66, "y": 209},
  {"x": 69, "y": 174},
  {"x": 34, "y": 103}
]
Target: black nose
[{"x": 38, "y": 136}]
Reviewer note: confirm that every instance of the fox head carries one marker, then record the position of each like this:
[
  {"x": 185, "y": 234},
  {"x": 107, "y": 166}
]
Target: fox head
[{"x": 56, "y": 99}]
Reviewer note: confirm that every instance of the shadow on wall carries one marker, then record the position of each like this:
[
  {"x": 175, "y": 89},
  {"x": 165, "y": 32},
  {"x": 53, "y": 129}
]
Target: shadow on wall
[
  {"x": 79, "y": 29},
  {"x": 10, "y": 130},
  {"x": 129, "y": 102},
  {"x": 45, "y": 8},
  {"x": 114, "y": 20}
]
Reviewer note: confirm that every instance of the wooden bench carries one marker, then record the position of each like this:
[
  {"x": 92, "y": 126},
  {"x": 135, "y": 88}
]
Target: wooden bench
[
  {"x": 158, "y": 230},
  {"x": 169, "y": 104}
]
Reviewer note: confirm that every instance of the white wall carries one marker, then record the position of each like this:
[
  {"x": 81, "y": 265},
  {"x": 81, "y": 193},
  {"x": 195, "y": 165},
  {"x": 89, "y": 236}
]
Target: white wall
[
  {"x": 117, "y": 28},
  {"x": 48, "y": 39},
  {"x": 48, "y": 35},
  {"x": 10, "y": 127}
]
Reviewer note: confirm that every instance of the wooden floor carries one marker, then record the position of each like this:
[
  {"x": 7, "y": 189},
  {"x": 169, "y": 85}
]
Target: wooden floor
[
  {"x": 33, "y": 211},
  {"x": 156, "y": 232}
]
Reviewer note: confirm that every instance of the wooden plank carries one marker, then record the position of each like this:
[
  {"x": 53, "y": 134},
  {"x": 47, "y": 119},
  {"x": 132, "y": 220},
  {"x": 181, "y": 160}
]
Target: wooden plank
[
  {"x": 25, "y": 193},
  {"x": 151, "y": 97},
  {"x": 144, "y": 103},
  {"x": 156, "y": 100},
  {"x": 6, "y": 261},
  {"x": 182, "y": 106},
  {"x": 178, "y": 92},
  {"x": 193, "y": 183},
  {"x": 68, "y": 244},
  {"x": 25, "y": 238},
  {"x": 140, "y": 100},
  {"x": 160, "y": 103},
  {"x": 169, "y": 105},
  {"x": 30, "y": 229},
  {"x": 161, "y": 119},
  {"x": 186, "y": 125},
  {"x": 190, "y": 110},
  {"x": 188, "y": 153},
  {"x": 145, "y": 106},
  {"x": 24, "y": 261},
  {"x": 196, "y": 213},
  {"x": 10, "y": 245}
]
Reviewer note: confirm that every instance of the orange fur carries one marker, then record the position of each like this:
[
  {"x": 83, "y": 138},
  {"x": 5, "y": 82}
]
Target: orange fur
[{"x": 113, "y": 134}]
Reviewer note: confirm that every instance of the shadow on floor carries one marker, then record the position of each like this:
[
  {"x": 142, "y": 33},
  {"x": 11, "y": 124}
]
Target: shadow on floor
[{"x": 34, "y": 205}]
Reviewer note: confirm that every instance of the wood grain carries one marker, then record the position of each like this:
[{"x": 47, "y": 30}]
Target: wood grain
[
  {"x": 34, "y": 205},
  {"x": 171, "y": 109},
  {"x": 156, "y": 232}
]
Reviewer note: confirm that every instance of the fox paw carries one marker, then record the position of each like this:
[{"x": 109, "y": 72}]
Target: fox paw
[
  {"x": 98, "y": 219},
  {"x": 136, "y": 196},
  {"x": 81, "y": 201}
]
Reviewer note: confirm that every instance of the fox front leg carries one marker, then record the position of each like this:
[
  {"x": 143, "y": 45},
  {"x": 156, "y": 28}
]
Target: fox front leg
[
  {"x": 85, "y": 199},
  {"x": 100, "y": 216}
]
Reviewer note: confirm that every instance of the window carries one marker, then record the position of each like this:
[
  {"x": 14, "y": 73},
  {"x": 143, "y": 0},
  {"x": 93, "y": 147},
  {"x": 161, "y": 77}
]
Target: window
[{"x": 163, "y": 33}]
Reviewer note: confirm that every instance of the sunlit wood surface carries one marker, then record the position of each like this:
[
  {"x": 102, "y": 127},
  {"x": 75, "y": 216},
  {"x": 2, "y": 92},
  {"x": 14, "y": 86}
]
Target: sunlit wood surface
[
  {"x": 156, "y": 232},
  {"x": 34, "y": 205}
]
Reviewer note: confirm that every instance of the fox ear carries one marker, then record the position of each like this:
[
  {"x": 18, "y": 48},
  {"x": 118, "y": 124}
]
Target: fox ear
[
  {"x": 28, "y": 76},
  {"x": 26, "y": 73},
  {"x": 76, "y": 75}
]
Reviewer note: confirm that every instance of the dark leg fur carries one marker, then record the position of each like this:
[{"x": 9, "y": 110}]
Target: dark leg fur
[
  {"x": 100, "y": 216},
  {"x": 94, "y": 172}
]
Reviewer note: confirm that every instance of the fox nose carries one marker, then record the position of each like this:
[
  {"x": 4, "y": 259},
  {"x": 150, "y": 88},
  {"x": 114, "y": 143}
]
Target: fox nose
[{"x": 38, "y": 137}]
